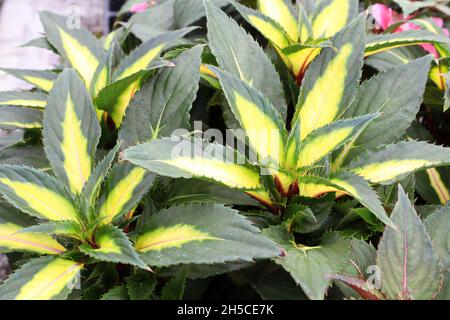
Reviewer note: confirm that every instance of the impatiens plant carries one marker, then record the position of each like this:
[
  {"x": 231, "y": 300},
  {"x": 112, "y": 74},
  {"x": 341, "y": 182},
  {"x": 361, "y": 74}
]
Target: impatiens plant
[{"x": 225, "y": 149}]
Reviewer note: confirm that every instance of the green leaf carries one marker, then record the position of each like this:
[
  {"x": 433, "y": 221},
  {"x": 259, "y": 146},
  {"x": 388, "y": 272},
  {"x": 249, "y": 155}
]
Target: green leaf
[
  {"x": 408, "y": 263},
  {"x": 447, "y": 93},
  {"x": 397, "y": 95},
  {"x": 115, "y": 97},
  {"x": 186, "y": 13},
  {"x": 23, "y": 99},
  {"x": 62, "y": 228},
  {"x": 396, "y": 161},
  {"x": 201, "y": 234},
  {"x": 174, "y": 159},
  {"x": 92, "y": 187},
  {"x": 262, "y": 123},
  {"x": 76, "y": 44},
  {"x": 328, "y": 138},
  {"x": 24, "y": 155},
  {"x": 125, "y": 186},
  {"x": 437, "y": 225},
  {"x": 116, "y": 293},
  {"x": 112, "y": 245},
  {"x": 18, "y": 117},
  {"x": 433, "y": 185},
  {"x": 140, "y": 286},
  {"x": 42, "y": 279},
  {"x": 350, "y": 184},
  {"x": 174, "y": 289},
  {"x": 335, "y": 71},
  {"x": 43, "y": 79},
  {"x": 386, "y": 60},
  {"x": 13, "y": 240},
  {"x": 380, "y": 43},
  {"x": 179, "y": 191},
  {"x": 36, "y": 193},
  {"x": 310, "y": 267},
  {"x": 238, "y": 53},
  {"x": 71, "y": 130},
  {"x": 163, "y": 103}
]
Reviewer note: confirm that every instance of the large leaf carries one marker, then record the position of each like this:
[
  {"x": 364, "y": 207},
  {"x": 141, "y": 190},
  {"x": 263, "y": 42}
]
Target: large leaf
[
  {"x": 71, "y": 130},
  {"x": 408, "y": 263},
  {"x": 326, "y": 139},
  {"x": 36, "y": 193},
  {"x": 43, "y": 79},
  {"x": 113, "y": 245},
  {"x": 257, "y": 116},
  {"x": 123, "y": 189},
  {"x": 347, "y": 183},
  {"x": 196, "y": 158},
  {"x": 12, "y": 240},
  {"x": 397, "y": 95},
  {"x": 76, "y": 44},
  {"x": 238, "y": 53},
  {"x": 331, "y": 16},
  {"x": 395, "y": 161},
  {"x": 42, "y": 279},
  {"x": 336, "y": 72},
  {"x": 163, "y": 103},
  {"x": 16, "y": 117},
  {"x": 380, "y": 43},
  {"x": 310, "y": 267},
  {"x": 23, "y": 99},
  {"x": 201, "y": 234}
]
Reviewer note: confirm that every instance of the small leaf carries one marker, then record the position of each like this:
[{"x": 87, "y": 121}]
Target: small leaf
[
  {"x": 116, "y": 293},
  {"x": 124, "y": 188},
  {"x": 113, "y": 246},
  {"x": 140, "y": 286}
]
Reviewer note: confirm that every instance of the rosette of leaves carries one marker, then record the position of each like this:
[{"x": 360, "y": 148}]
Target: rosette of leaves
[
  {"x": 344, "y": 138},
  {"x": 86, "y": 207}
]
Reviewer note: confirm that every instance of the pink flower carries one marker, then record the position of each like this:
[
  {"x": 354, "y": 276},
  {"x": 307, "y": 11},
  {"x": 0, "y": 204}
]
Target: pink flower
[
  {"x": 385, "y": 17},
  {"x": 139, "y": 7}
]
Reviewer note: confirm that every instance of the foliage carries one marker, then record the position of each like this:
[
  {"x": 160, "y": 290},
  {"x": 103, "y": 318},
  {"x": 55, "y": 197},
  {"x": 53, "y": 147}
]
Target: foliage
[{"x": 118, "y": 183}]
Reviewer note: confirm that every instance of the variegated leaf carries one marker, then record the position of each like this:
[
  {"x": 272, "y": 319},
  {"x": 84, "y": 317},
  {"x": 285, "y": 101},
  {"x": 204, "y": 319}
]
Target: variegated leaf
[
  {"x": 23, "y": 99},
  {"x": 71, "y": 130},
  {"x": 394, "y": 162},
  {"x": 75, "y": 43},
  {"x": 42, "y": 79},
  {"x": 18, "y": 117},
  {"x": 201, "y": 234},
  {"x": 36, "y": 193},
  {"x": 335, "y": 72},
  {"x": 42, "y": 279},
  {"x": 123, "y": 189},
  {"x": 238, "y": 53},
  {"x": 113, "y": 245}
]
